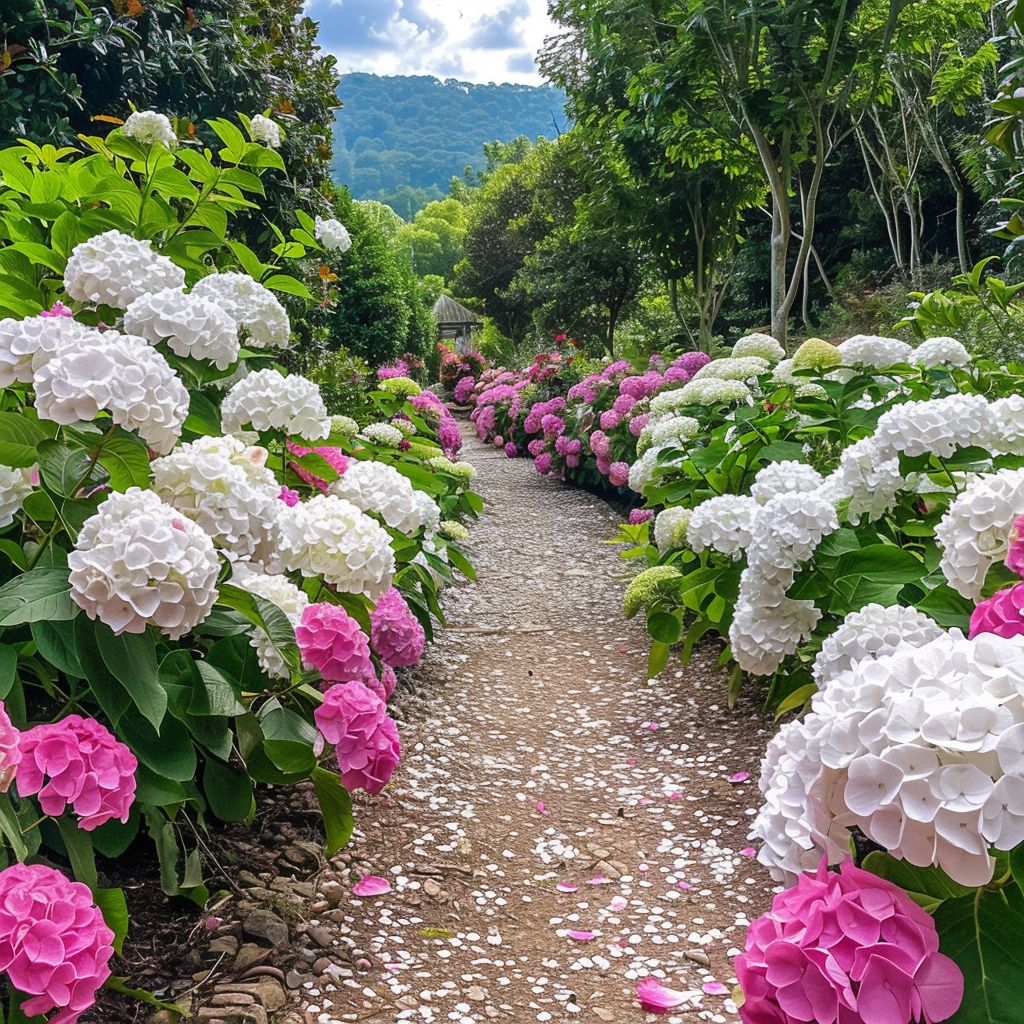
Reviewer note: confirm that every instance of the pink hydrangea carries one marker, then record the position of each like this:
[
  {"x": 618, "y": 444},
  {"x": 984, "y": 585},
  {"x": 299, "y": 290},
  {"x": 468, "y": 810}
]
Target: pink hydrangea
[
  {"x": 449, "y": 436},
  {"x": 428, "y": 402},
  {"x": 511, "y": 450},
  {"x": 552, "y": 425},
  {"x": 58, "y": 309},
  {"x": 846, "y": 946},
  {"x": 691, "y": 362},
  {"x": 334, "y": 457},
  {"x": 396, "y": 634},
  {"x": 613, "y": 369},
  {"x": 499, "y": 441},
  {"x": 355, "y": 720},
  {"x": 610, "y": 419},
  {"x": 77, "y": 761},
  {"x": 289, "y": 497},
  {"x": 676, "y": 375},
  {"x": 1015, "y": 556},
  {"x": 639, "y": 516},
  {"x": 600, "y": 444},
  {"x": 637, "y": 424},
  {"x": 54, "y": 943},
  {"x": 10, "y": 750},
  {"x": 543, "y": 463},
  {"x": 618, "y": 474},
  {"x": 536, "y": 447},
  {"x": 623, "y": 405},
  {"x": 388, "y": 681},
  {"x": 400, "y": 368},
  {"x": 331, "y": 642},
  {"x": 1002, "y": 614},
  {"x": 604, "y": 466}
]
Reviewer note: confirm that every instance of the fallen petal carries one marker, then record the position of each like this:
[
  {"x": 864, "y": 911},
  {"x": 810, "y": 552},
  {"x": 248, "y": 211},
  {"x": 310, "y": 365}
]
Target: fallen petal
[
  {"x": 567, "y": 887},
  {"x": 541, "y": 809},
  {"x": 371, "y": 885},
  {"x": 582, "y": 936},
  {"x": 656, "y": 998},
  {"x": 739, "y": 777},
  {"x": 599, "y": 880},
  {"x": 714, "y": 988},
  {"x": 748, "y": 852},
  {"x": 618, "y": 903}
]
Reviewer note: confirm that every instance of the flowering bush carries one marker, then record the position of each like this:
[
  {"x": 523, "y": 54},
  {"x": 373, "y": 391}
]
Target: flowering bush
[{"x": 172, "y": 498}]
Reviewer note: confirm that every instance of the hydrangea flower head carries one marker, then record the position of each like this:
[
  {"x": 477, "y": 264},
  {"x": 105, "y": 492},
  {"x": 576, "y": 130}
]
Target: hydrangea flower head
[
  {"x": 379, "y": 488},
  {"x": 400, "y": 386},
  {"x": 763, "y": 346},
  {"x": 332, "y": 643},
  {"x": 639, "y": 516},
  {"x": 1015, "y": 551},
  {"x": 691, "y": 362},
  {"x": 114, "y": 269},
  {"x": 874, "y": 352},
  {"x": 10, "y": 750},
  {"x": 267, "y": 400},
  {"x": 396, "y": 634},
  {"x": 941, "y": 352},
  {"x": 150, "y": 127},
  {"x": 344, "y": 425},
  {"x": 1002, "y": 614},
  {"x": 54, "y": 943},
  {"x": 279, "y": 591},
  {"x": 76, "y": 762},
  {"x": 846, "y": 946},
  {"x": 670, "y": 529},
  {"x": 733, "y": 368},
  {"x": 192, "y": 327},
  {"x": 382, "y": 434},
  {"x": 265, "y": 131},
  {"x": 355, "y": 720},
  {"x": 644, "y": 589},
  {"x": 15, "y": 486},
  {"x": 252, "y": 306},
  {"x": 332, "y": 234},
  {"x": 816, "y": 354},
  {"x": 450, "y": 529}
]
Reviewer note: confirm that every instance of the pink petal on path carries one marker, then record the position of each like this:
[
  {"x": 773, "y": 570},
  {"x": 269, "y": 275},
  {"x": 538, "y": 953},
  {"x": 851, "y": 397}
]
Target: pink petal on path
[
  {"x": 567, "y": 887},
  {"x": 655, "y": 998},
  {"x": 748, "y": 851},
  {"x": 599, "y": 880},
  {"x": 618, "y": 903},
  {"x": 739, "y": 777},
  {"x": 582, "y": 936},
  {"x": 682, "y": 885},
  {"x": 371, "y": 885},
  {"x": 714, "y": 988},
  {"x": 541, "y": 809}
]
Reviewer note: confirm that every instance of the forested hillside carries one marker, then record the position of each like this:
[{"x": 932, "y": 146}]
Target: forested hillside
[{"x": 401, "y": 139}]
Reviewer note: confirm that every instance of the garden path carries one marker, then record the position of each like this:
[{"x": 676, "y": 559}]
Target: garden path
[{"x": 538, "y": 758}]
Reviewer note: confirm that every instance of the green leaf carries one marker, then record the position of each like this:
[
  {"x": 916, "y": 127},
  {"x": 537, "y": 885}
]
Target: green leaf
[
  {"x": 155, "y": 790},
  {"x": 11, "y": 828},
  {"x": 114, "y": 908},
  {"x": 289, "y": 741},
  {"x": 131, "y": 659},
  {"x": 126, "y": 460},
  {"x": 267, "y": 616},
  {"x": 880, "y": 563},
  {"x": 80, "y": 852},
  {"x": 43, "y": 593},
  {"x": 20, "y": 436},
  {"x": 64, "y": 470},
  {"x": 947, "y": 607},
  {"x": 228, "y": 791},
  {"x": 336, "y": 809},
  {"x": 213, "y": 693},
  {"x": 288, "y": 285},
  {"x": 665, "y": 627},
  {"x": 169, "y": 754},
  {"x": 657, "y": 659},
  {"x": 927, "y": 886},
  {"x": 981, "y": 933},
  {"x": 8, "y": 668}
]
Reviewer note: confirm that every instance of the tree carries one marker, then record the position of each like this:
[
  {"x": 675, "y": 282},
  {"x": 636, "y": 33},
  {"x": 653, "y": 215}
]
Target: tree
[{"x": 435, "y": 237}]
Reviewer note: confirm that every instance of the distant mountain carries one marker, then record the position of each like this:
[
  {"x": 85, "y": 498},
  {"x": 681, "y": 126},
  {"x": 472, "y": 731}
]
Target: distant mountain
[{"x": 401, "y": 139}]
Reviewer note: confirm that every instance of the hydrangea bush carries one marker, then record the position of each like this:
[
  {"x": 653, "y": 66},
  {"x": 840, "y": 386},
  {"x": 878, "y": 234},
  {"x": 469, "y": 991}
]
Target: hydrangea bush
[{"x": 207, "y": 581}]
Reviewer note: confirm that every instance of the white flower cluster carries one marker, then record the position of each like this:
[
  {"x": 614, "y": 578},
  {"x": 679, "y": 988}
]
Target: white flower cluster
[
  {"x": 710, "y": 391},
  {"x": 869, "y": 480},
  {"x": 763, "y": 346},
  {"x": 723, "y": 524},
  {"x": 278, "y": 590},
  {"x": 114, "y": 269},
  {"x": 667, "y": 431},
  {"x": 332, "y": 234},
  {"x": 974, "y": 533},
  {"x": 382, "y": 434},
  {"x": 378, "y": 487},
  {"x": 265, "y": 131},
  {"x": 937, "y": 425},
  {"x": 192, "y": 326},
  {"x": 15, "y": 487},
  {"x": 149, "y": 127},
  {"x": 941, "y": 352},
  {"x": 120, "y": 374},
  {"x": 871, "y": 351},
  {"x": 784, "y": 478},
  {"x": 267, "y": 400},
  {"x": 329, "y": 536},
  {"x": 871, "y": 633},
  {"x": 429, "y": 513},
  {"x": 344, "y": 425},
  {"x": 922, "y": 750},
  {"x": 250, "y": 305},
  {"x": 26, "y": 345},
  {"x": 670, "y": 529},
  {"x": 138, "y": 561},
  {"x": 733, "y": 368},
  {"x": 786, "y": 531},
  {"x": 227, "y": 489},
  {"x": 768, "y": 626}
]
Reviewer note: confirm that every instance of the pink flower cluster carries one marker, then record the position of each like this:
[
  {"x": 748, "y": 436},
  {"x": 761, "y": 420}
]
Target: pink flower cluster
[
  {"x": 399, "y": 368},
  {"x": 1002, "y": 614},
  {"x": 332, "y": 643},
  {"x": 54, "y": 943},
  {"x": 334, "y": 457},
  {"x": 355, "y": 720},
  {"x": 534, "y": 422},
  {"x": 396, "y": 634},
  {"x": 464, "y": 390},
  {"x": 10, "y": 750},
  {"x": 77, "y": 761},
  {"x": 846, "y": 946}
]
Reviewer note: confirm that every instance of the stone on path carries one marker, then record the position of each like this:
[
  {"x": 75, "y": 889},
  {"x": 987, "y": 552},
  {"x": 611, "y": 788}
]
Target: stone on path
[{"x": 560, "y": 828}]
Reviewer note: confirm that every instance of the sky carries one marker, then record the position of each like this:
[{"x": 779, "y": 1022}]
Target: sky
[{"x": 473, "y": 40}]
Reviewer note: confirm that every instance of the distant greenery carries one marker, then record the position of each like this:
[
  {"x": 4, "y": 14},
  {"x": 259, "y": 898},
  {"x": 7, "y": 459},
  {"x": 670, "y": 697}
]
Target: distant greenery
[{"x": 401, "y": 140}]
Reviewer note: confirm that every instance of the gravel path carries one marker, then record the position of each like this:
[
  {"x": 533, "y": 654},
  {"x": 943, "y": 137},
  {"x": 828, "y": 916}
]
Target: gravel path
[{"x": 559, "y": 828}]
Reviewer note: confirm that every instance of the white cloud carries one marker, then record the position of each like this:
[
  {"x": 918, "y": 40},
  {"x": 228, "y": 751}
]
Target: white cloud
[{"x": 489, "y": 42}]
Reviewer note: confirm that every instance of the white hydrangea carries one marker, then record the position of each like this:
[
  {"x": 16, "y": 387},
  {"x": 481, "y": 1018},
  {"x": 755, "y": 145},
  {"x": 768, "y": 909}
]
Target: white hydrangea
[
  {"x": 407, "y": 427},
  {"x": 870, "y": 479},
  {"x": 332, "y": 234},
  {"x": 429, "y": 512},
  {"x": 763, "y": 346},
  {"x": 114, "y": 269},
  {"x": 787, "y": 531},
  {"x": 250, "y": 305},
  {"x": 139, "y": 562},
  {"x": 872, "y": 632},
  {"x": 654, "y": 460},
  {"x": 267, "y": 400},
  {"x": 344, "y": 425},
  {"x": 227, "y": 489},
  {"x": 783, "y": 374},
  {"x": 15, "y": 486},
  {"x": 668, "y": 403},
  {"x": 329, "y": 536},
  {"x": 937, "y": 425},
  {"x": 378, "y": 487},
  {"x": 789, "y": 477},
  {"x": 120, "y": 374},
  {"x": 265, "y": 131},
  {"x": 149, "y": 127},
  {"x": 767, "y": 625},
  {"x": 974, "y": 533},
  {"x": 875, "y": 352},
  {"x": 280, "y": 591},
  {"x": 465, "y": 471},
  {"x": 192, "y": 326},
  {"x": 1007, "y": 421},
  {"x": 922, "y": 750},
  {"x": 670, "y": 431},
  {"x": 724, "y": 524},
  {"x": 810, "y": 390},
  {"x": 739, "y": 368},
  {"x": 382, "y": 434},
  {"x": 670, "y": 529},
  {"x": 711, "y": 391},
  {"x": 26, "y": 345},
  {"x": 941, "y": 352}
]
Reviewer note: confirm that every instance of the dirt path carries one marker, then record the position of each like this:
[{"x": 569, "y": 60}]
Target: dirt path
[{"x": 538, "y": 759}]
